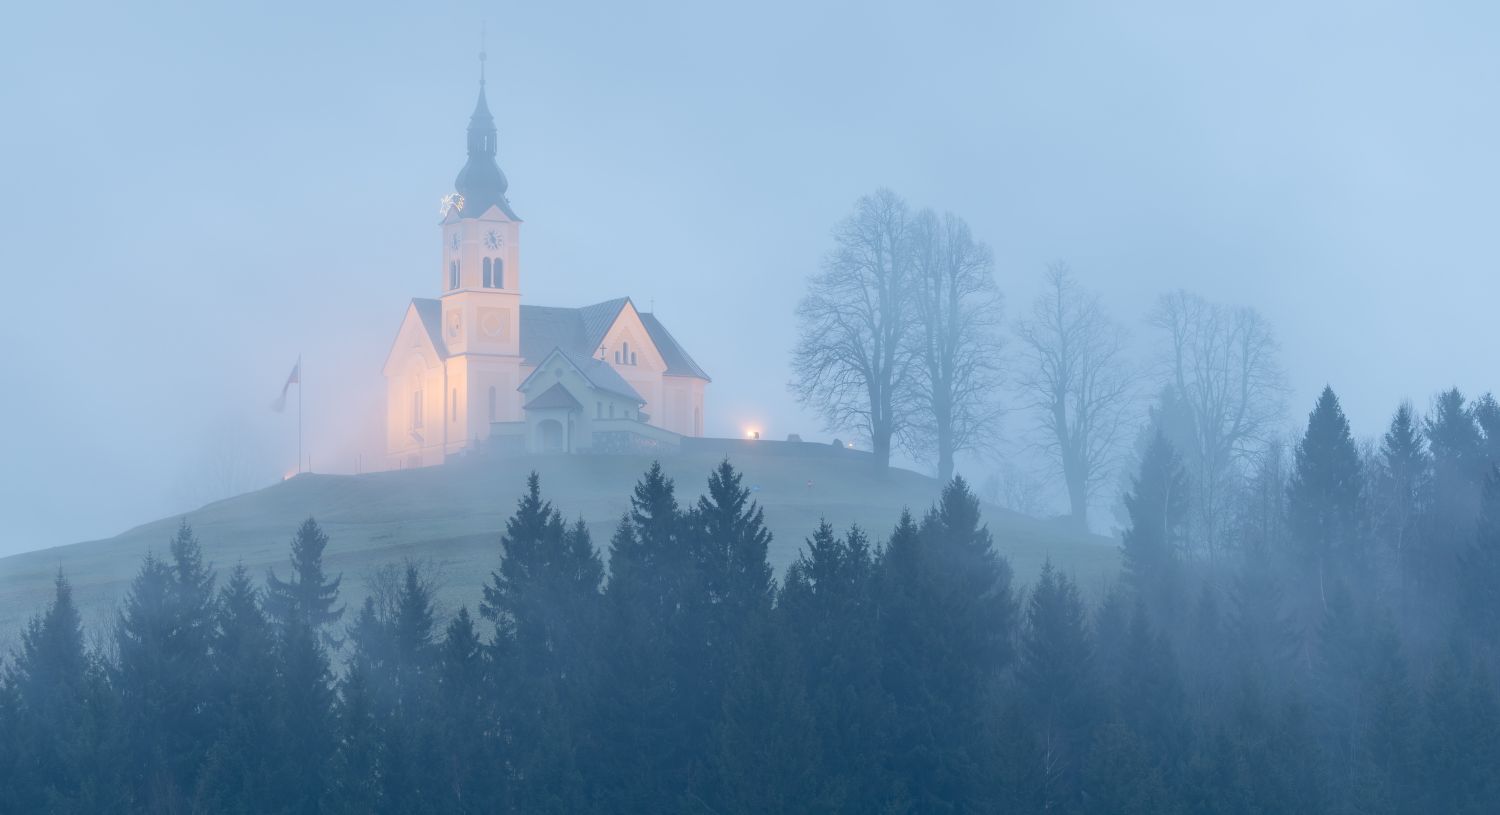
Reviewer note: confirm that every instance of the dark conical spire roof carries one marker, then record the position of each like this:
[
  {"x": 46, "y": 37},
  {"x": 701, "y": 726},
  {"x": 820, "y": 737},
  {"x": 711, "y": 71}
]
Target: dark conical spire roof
[{"x": 481, "y": 182}]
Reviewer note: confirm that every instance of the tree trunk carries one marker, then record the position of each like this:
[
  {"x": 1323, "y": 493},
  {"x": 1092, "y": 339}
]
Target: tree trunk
[
  {"x": 880, "y": 442},
  {"x": 1078, "y": 500},
  {"x": 945, "y": 454}
]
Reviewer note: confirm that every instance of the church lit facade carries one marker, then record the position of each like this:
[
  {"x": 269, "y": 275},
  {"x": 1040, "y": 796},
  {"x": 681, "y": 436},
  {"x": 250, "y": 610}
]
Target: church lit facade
[{"x": 476, "y": 368}]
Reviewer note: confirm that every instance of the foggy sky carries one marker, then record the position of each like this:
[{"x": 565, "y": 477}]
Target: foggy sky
[{"x": 193, "y": 196}]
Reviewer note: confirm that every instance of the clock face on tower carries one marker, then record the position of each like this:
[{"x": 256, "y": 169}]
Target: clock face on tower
[{"x": 493, "y": 239}]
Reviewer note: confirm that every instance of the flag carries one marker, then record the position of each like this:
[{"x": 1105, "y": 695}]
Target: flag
[{"x": 294, "y": 378}]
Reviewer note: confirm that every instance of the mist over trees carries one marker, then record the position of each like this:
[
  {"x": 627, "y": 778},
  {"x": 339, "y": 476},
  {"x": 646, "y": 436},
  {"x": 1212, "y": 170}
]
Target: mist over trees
[
  {"x": 1221, "y": 367},
  {"x": 903, "y": 342},
  {"x": 853, "y": 362},
  {"x": 1341, "y": 656},
  {"x": 957, "y": 341},
  {"x": 899, "y": 334},
  {"x": 1078, "y": 385}
]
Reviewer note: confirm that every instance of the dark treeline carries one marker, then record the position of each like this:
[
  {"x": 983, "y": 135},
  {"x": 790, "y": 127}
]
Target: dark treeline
[{"x": 1342, "y": 658}]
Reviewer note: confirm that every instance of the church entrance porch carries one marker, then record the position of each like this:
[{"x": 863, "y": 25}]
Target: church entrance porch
[{"x": 551, "y": 436}]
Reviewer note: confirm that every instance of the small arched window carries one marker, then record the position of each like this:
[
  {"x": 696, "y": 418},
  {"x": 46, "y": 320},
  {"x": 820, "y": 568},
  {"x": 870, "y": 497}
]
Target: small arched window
[
  {"x": 632, "y": 358},
  {"x": 598, "y": 410},
  {"x": 452, "y": 274},
  {"x": 617, "y": 357},
  {"x": 486, "y": 273},
  {"x": 492, "y": 403},
  {"x": 611, "y": 410},
  {"x": 499, "y": 273}
]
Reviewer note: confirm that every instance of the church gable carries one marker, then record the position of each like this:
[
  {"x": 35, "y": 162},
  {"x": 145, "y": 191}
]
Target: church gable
[
  {"x": 418, "y": 337},
  {"x": 628, "y": 344}
]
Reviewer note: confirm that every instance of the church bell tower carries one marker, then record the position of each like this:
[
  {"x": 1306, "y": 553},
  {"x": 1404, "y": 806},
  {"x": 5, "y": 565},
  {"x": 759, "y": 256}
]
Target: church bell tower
[{"x": 481, "y": 285}]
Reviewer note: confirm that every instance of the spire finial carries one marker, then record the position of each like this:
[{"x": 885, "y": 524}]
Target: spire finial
[{"x": 482, "y": 55}]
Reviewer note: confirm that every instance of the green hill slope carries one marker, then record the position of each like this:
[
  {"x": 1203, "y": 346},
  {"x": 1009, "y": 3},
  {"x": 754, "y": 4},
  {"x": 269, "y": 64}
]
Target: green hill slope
[{"x": 451, "y": 517}]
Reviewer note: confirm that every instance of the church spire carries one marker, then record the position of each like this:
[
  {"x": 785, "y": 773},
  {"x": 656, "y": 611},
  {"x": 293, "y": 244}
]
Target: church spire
[{"x": 481, "y": 182}]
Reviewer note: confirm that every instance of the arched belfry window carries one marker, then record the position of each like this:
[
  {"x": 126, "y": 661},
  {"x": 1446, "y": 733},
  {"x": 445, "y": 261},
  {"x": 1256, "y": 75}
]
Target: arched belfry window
[
  {"x": 487, "y": 273},
  {"x": 499, "y": 273},
  {"x": 452, "y": 274}
]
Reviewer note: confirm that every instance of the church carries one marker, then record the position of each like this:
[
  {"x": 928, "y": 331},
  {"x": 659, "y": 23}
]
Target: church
[{"x": 476, "y": 369}]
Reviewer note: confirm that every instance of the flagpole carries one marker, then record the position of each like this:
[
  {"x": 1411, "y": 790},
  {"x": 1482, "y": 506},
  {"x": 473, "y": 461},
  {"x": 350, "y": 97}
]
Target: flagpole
[{"x": 300, "y": 388}]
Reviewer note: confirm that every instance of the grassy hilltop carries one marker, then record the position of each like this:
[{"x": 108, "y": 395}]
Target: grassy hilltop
[{"x": 452, "y": 515}]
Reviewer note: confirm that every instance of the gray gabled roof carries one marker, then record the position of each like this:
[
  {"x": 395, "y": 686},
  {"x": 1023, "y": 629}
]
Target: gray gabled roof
[
  {"x": 577, "y": 331},
  {"x": 545, "y": 327},
  {"x": 676, "y": 357},
  {"x": 430, "y": 312},
  {"x": 598, "y": 318},
  {"x": 596, "y": 372},
  {"x": 554, "y": 397}
]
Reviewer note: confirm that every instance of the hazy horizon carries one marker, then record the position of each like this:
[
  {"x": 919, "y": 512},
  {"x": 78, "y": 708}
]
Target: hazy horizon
[{"x": 196, "y": 196}]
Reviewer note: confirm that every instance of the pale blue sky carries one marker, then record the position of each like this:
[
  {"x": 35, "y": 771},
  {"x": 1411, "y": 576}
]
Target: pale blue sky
[{"x": 191, "y": 195}]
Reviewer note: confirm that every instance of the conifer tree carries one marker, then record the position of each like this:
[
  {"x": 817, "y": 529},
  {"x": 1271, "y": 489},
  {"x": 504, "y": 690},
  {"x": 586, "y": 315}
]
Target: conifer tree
[
  {"x": 827, "y": 606},
  {"x": 406, "y": 702},
  {"x": 1401, "y": 483},
  {"x": 163, "y": 638},
  {"x": 1121, "y": 778},
  {"x": 1264, "y": 635},
  {"x": 947, "y": 617},
  {"x": 1388, "y": 757},
  {"x": 1149, "y": 697},
  {"x": 307, "y": 596},
  {"x": 728, "y": 541},
  {"x": 242, "y": 704},
  {"x": 1487, "y": 418},
  {"x": 304, "y": 680},
  {"x": 1338, "y": 692},
  {"x": 466, "y": 715},
  {"x": 1324, "y": 500},
  {"x": 1055, "y": 672},
  {"x": 1207, "y": 653},
  {"x": 355, "y": 766},
  {"x": 1456, "y": 447},
  {"x": 652, "y": 584},
  {"x": 53, "y": 685},
  {"x": 1458, "y": 740},
  {"x": 1458, "y": 465},
  {"x": 1481, "y": 567},
  {"x": 730, "y": 544},
  {"x": 1158, "y": 507},
  {"x": 544, "y": 600},
  {"x": 766, "y": 756}
]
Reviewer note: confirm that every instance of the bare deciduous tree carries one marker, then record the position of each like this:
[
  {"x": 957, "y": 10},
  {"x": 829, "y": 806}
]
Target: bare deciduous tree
[
  {"x": 956, "y": 343},
  {"x": 852, "y": 362},
  {"x": 1078, "y": 382},
  {"x": 1222, "y": 361}
]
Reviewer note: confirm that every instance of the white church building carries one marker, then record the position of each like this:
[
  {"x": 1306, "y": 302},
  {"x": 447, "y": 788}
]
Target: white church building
[{"x": 474, "y": 368}]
